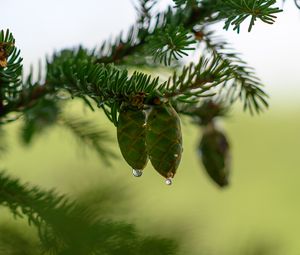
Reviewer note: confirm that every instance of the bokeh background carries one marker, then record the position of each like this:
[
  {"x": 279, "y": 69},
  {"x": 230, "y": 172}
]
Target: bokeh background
[{"x": 258, "y": 214}]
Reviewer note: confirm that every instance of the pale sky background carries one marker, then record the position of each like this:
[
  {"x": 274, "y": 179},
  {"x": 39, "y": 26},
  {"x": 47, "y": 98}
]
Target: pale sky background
[{"x": 42, "y": 26}]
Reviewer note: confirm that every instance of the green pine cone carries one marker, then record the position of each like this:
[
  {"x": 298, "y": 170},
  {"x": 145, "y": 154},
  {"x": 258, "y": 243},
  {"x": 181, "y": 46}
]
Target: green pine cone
[
  {"x": 131, "y": 133},
  {"x": 214, "y": 151},
  {"x": 164, "y": 140}
]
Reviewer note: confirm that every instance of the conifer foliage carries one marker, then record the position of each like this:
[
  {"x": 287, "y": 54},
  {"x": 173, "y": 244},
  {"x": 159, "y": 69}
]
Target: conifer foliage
[{"x": 145, "y": 109}]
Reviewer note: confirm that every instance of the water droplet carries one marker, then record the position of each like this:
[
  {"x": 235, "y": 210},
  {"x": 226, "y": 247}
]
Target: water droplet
[
  {"x": 137, "y": 172},
  {"x": 169, "y": 181}
]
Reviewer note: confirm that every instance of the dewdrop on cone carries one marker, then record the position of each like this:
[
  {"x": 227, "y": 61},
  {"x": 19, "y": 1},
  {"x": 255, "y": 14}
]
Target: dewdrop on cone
[
  {"x": 215, "y": 155},
  {"x": 164, "y": 140},
  {"x": 131, "y": 134}
]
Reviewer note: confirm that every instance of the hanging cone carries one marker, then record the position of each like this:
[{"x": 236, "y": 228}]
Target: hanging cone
[
  {"x": 214, "y": 151},
  {"x": 131, "y": 132},
  {"x": 164, "y": 140}
]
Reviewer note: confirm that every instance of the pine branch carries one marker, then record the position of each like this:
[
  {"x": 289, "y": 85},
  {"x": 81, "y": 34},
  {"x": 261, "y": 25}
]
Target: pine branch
[
  {"x": 65, "y": 227},
  {"x": 188, "y": 14},
  {"x": 144, "y": 9},
  {"x": 37, "y": 118},
  {"x": 197, "y": 79},
  {"x": 27, "y": 98},
  {"x": 47, "y": 112},
  {"x": 31, "y": 202},
  {"x": 15, "y": 95},
  {"x": 244, "y": 85},
  {"x": 137, "y": 40},
  {"x": 77, "y": 72},
  {"x": 236, "y": 12},
  {"x": 107, "y": 85},
  {"x": 89, "y": 134},
  {"x": 170, "y": 43}
]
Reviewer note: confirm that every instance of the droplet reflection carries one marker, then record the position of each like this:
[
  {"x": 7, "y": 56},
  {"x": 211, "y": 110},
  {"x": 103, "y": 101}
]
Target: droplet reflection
[
  {"x": 169, "y": 181},
  {"x": 137, "y": 172}
]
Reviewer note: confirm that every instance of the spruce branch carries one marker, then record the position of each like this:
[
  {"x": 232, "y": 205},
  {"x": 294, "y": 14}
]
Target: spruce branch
[
  {"x": 170, "y": 43},
  {"x": 187, "y": 14},
  {"x": 15, "y": 95},
  {"x": 137, "y": 40},
  {"x": 244, "y": 84},
  {"x": 65, "y": 227},
  {"x": 236, "y": 12},
  {"x": 31, "y": 202},
  {"x": 197, "y": 79},
  {"x": 88, "y": 133},
  {"x": 52, "y": 214},
  {"x": 107, "y": 85},
  {"x": 77, "y": 72},
  {"x": 47, "y": 112},
  {"x": 144, "y": 9},
  {"x": 39, "y": 117}
]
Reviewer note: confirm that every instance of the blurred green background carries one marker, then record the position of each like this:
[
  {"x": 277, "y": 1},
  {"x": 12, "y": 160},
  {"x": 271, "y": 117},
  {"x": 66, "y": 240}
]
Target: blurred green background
[{"x": 257, "y": 214}]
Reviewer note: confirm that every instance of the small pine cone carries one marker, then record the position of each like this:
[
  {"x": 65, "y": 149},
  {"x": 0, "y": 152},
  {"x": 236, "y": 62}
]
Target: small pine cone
[
  {"x": 164, "y": 140},
  {"x": 215, "y": 155},
  {"x": 131, "y": 133}
]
